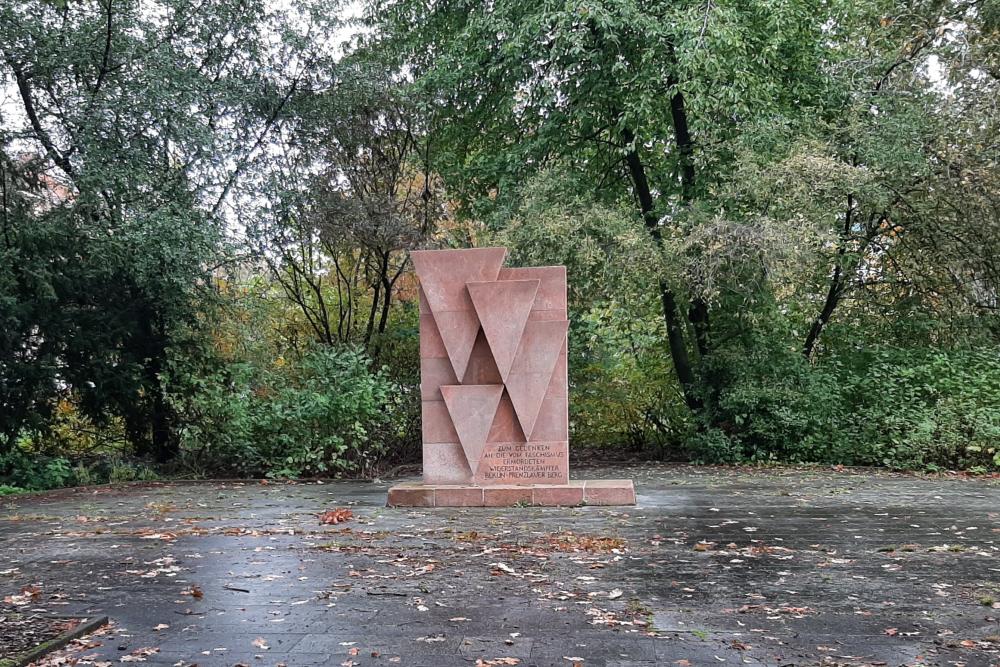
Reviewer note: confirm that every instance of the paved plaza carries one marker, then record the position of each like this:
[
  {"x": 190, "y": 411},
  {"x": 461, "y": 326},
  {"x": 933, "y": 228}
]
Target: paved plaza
[{"x": 714, "y": 566}]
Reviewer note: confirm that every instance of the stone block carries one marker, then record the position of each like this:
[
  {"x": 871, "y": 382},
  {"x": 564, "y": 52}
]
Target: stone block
[
  {"x": 431, "y": 345},
  {"x": 435, "y": 423},
  {"x": 401, "y": 496},
  {"x": 444, "y": 273},
  {"x": 458, "y": 496},
  {"x": 505, "y": 426},
  {"x": 551, "y": 293},
  {"x": 571, "y": 494},
  {"x": 502, "y": 307},
  {"x": 566, "y": 496},
  {"x": 434, "y": 372},
  {"x": 506, "y": 496},
  {"x": 524, "y": 463},
  {"x": 552, "y": 422},
  {"x": 445, "y": 463},
  {"x": 481, "y": 369},
  {"x": 546, "y": 315},
  {"x": 472, "y": 408},
  {"x": 609, "y": 492}
]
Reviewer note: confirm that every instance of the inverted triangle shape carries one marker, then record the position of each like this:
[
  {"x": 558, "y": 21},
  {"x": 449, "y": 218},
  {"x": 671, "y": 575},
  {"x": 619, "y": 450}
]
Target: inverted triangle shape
[
  {"x": 503, "y": 307},
  {"x": 443, "y": 274},
  {"x": 534, "y": 362},
  {"x": 472, "y": 408},
  {"x": 458, "y": 330}
]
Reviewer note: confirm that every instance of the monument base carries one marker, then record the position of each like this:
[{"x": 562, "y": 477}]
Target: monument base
[{"x": 577, "y": 492}]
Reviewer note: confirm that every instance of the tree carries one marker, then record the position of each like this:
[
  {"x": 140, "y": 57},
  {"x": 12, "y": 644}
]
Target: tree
[
  {"x": 661, "y": 103},
  {"x": 642, "y": 99},
  {"x": 336, "y": 241},
  {"x": 134, "y": 124}
]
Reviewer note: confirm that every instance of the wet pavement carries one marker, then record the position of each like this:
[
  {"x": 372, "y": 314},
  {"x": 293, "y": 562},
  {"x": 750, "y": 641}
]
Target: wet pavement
[{"x": 714, "y": 566}]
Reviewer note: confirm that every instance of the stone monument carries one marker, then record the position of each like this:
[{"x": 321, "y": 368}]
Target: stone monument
[{"x": 493, "y": 387}]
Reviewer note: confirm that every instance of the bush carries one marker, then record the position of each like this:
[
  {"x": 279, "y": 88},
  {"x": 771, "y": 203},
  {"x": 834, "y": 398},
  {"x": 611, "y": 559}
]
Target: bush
[
  {"x": 912, "y": 408},
  {"x": 398, "y": 350},
  {"x": 26, "y": 470},
  {"x": 311, "y": 417},
  {"x": 918, "y": 408},
  {"x": 773, "y": 406},
  {"x": 623, "y": 391}
]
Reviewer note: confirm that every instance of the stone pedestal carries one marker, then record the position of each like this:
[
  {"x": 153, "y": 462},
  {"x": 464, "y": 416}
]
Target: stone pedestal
[
  {"x": 494, "y": 387},
  {"x": 575, "y": 492}
]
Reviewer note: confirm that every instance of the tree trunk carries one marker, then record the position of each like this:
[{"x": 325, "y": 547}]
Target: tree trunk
[
  {"x": 671, "y": 315},
  {"x": 698, "y": 308},
  {"x": 836, "y": 289}
]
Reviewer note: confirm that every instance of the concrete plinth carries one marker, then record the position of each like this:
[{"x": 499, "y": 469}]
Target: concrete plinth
[{"x": 576, "y": 492}]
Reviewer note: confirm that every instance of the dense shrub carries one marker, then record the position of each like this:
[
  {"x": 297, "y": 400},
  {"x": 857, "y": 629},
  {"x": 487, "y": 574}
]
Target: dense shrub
[
  {"x": 24, "y": 469},
  {"x": 398, "y": 353},
  {"x": 311, "y": 417},
  {"x": 915, "y": 408},
  {"x": 925, "y": 407}
]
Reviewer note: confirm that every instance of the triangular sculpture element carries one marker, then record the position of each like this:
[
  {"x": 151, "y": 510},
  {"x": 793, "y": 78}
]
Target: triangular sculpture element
[
  {"x": 458, "y": 330},
  {"x": 528, "y": 380},
  {"x": 472, "y": 408},
  {"x": 503, "y": 307},
  {"x": 443, "y": 274}
]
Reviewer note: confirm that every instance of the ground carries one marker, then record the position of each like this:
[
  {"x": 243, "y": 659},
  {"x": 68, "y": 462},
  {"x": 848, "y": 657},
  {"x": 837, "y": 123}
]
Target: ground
[{"x": 714, "y": 566}]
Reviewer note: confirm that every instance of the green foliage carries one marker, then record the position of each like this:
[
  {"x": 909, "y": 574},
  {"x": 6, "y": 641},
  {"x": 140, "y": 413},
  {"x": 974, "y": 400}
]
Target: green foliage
[
  {"x": 925, "y": 407},
  {"x": 10, "y": 490},
  {"x": 623, "y": 391},
  {"x": 127, "y": 130},
  {"x": 903, "y": 407},
  {"x": 398, "y": 350},
  {"x": 117, "y": 470},
  {"x": 557, "y": 220},
  {"x": 311, "y": 417},
  {"x": 20, "y": 468},
  {"x": 778, "y": 219}
]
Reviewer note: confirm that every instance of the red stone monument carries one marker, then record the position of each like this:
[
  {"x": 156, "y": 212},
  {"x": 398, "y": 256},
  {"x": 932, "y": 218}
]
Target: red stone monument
[{"x": 494, "y": 388}]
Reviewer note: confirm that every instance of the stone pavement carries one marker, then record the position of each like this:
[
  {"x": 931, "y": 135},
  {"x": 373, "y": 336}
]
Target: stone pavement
[{"x": 714, "y": 566}]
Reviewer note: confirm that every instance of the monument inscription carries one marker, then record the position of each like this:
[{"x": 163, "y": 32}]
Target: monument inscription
[{"x": 531, "y": 462}]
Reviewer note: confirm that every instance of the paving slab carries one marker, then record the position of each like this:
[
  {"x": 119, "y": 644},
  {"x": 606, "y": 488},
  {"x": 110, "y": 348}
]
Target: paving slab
[{"x": 713, "y": 566}]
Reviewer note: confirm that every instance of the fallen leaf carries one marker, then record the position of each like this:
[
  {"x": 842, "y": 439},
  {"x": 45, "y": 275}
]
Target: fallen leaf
[
  {"x": 261, "y": 643},
  {"x": 503, "y": 567},
  {"x": 335, "y": 516},
  {"x": 139, "y": 655},
  {"x": 194, "y": 592}
]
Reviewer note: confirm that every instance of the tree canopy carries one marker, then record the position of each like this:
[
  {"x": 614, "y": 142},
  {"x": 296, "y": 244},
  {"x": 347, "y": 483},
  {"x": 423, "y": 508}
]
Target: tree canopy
[{"x": 781, "y": 222}]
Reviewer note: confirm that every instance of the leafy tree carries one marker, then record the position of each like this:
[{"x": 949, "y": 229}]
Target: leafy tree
[
  {"x": 349, "y": 196},
  {"x": 642, "y": 99},
  {"x": 132, "y": 125},
  {"x": 776, "y": 153}
]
